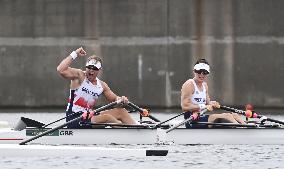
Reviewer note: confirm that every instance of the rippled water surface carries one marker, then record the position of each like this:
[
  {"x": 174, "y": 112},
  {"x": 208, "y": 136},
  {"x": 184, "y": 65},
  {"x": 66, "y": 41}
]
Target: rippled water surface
[{"x": 180, "y": 156}]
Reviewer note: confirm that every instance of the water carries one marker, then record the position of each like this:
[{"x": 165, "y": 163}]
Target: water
[{"x": 180, "y": 156}]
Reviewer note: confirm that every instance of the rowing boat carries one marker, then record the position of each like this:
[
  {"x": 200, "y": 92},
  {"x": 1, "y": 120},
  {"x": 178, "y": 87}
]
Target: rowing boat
[
  {"x": 103, "y": 136},
  {"x": 158, "y": 132}
]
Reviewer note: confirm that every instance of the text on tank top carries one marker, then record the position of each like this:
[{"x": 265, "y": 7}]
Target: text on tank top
[
  {"x": 85, "y": 96},
  {"x": 198, "y": 97}
]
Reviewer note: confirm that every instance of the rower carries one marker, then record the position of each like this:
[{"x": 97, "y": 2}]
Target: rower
[
  {"x": 85, "y": 89},
  {"x": 195, "y": 97}
]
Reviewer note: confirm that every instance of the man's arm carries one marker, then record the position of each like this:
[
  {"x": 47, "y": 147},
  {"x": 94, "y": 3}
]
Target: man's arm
[
  {"x": 64, "y": 68},
  {"x": 186, "y": 94},
  {"x": 111, "y": 96},
  {"x": 108, "y": 93}
]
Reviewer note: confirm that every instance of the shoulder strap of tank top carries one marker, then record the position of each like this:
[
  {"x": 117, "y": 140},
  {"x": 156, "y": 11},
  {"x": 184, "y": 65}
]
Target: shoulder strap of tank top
[
  {"x": 204, "y": 88},
  {"x": 99, "y": 82},
  {"x": 195, "y": 86}
]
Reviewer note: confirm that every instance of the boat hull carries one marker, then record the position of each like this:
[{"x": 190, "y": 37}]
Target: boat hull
[
  {"x": 249, "y": 136},
  {"x": 82, "y": 136},
  {"x": 147, "y": 136}
]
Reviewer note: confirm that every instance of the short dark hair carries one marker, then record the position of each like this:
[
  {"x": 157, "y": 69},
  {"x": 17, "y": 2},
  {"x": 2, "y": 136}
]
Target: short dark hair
[{"x": 201, "y": 61}]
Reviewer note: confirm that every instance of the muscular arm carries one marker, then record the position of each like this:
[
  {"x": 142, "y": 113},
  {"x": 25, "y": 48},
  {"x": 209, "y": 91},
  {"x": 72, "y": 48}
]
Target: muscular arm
[
  {"x": 108, "y": 93},
  {"x": 186, "y": 93},
  {"x": 66, "y": 71}
]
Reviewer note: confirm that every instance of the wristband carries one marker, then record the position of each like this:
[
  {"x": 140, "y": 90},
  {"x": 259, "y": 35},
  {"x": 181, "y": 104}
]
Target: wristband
[
  {"x": 202, "y": 106},
  {"x": 74, "y": 55}
]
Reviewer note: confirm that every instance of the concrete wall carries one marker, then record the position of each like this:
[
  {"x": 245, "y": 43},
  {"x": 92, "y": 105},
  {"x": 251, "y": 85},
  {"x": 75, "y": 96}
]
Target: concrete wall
[{"x": 148, "y": 48}]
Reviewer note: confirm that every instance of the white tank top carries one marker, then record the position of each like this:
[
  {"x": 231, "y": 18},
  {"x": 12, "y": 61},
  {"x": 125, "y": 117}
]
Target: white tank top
[
  {"x": 85, "y": 96},
  {"x": 198, "y": 97}
]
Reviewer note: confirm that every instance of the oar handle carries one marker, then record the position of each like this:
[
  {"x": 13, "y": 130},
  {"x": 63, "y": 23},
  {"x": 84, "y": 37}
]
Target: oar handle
[
  {"x": 102, "y": 108},
  {"x": 67, "y": 123},
  {"x": 141, "y": 111}
]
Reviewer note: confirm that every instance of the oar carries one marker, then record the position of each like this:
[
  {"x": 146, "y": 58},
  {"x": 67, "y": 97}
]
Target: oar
[
  {"x": 70, "y": 116},
  {"x": 159, "y": 124},
  {"x": 60, "y": 119},
  {"x": 141, "y": 111},
  {"x": 65, "y": 124},
  {"x": 190, "y": 119},
  {"x": 27, "y": 122},
  {"x": 250, "y": 114}
]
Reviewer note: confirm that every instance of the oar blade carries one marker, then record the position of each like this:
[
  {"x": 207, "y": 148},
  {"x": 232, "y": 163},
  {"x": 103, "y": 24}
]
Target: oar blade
[{"x": 156, "y": 152}]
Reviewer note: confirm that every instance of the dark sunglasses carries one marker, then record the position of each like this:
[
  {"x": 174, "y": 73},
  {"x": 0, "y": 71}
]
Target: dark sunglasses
[
  {"x": 205, "y": 72},
  {"x": 92, "y": 68}
]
